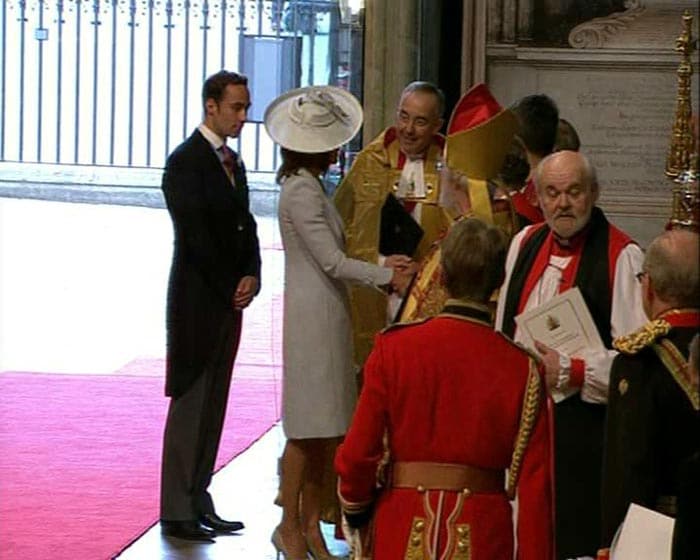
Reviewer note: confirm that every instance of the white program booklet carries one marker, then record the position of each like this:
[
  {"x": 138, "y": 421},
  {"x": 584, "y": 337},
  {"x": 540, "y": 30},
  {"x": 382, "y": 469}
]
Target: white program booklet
[
  {"x": 563, "y": 323},
  {"x": 645, "y": 534}
]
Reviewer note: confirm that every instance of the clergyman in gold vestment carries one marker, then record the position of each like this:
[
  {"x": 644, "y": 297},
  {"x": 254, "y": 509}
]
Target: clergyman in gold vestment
[{"x": 403, "y": 161}]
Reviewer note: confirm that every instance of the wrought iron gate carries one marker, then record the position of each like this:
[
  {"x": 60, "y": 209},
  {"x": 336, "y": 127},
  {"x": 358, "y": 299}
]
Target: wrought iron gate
[{"x": 118, "y": 82}]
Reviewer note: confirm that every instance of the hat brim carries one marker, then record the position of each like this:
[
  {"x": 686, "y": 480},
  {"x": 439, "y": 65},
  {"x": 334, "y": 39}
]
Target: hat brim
[{"x": 306, "y": 138}]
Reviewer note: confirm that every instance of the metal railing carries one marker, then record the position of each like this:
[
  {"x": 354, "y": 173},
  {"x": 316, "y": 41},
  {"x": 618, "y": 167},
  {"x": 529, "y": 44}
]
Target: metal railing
[{"x": 118, "y": 82}]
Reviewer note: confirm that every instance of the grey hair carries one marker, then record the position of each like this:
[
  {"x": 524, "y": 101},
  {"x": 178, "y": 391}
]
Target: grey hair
[
  {"x": 671, "y": 262},
  {"x": 427, "y": 87}
]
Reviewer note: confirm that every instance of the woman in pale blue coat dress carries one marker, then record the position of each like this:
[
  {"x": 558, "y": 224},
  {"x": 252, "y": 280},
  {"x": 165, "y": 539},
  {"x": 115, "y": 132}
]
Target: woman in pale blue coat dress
[{"x": 319, "y": 388}]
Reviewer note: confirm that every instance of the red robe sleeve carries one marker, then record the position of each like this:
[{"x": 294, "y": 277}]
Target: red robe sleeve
[{"x": 358, "y": 457}]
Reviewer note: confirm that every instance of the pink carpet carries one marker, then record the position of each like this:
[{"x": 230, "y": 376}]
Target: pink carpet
[{"x": 80, "y": 455}]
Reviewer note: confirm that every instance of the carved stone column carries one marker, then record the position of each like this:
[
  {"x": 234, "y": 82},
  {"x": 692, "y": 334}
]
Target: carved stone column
[
  {"x": 525, "y": 17},
  {"x": 510, "y": 21},
  {"x": 391, "y": 59},
  {"x": 495, "y": 20},
  {"x": 473, "y": 43}
]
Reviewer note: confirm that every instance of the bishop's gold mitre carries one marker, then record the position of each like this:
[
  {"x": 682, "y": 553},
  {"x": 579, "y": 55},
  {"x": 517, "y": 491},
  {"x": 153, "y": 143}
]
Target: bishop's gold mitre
[{"x": 479, "y": 134}]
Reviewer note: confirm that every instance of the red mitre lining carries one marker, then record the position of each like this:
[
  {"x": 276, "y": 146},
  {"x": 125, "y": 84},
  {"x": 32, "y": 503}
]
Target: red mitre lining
[{"x": 474, "y": 108}]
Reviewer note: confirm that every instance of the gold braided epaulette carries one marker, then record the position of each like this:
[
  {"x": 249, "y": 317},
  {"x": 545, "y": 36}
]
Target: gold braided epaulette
[
  {"x": 396, "y": 326},
  {"x": 642, "y": 337}
]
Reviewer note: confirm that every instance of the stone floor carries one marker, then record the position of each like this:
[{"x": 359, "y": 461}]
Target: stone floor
[
  {"x": 127, "y": 186},
  {"x": 82, "y": 289}
]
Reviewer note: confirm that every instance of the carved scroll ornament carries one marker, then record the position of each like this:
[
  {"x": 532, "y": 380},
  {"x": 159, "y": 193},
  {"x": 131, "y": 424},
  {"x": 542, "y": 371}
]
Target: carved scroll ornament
[{"x": 595, "y": 33}]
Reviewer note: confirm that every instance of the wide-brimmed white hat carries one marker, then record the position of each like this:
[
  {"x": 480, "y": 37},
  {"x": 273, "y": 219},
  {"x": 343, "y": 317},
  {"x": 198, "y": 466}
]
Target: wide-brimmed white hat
[{"x": 313, "y": 119}]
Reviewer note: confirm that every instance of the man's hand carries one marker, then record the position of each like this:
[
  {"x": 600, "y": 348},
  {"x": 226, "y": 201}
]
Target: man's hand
[
  {"x": 399, "y": 262},
  {"x": 245, "y": 292},
  {"x": 454, "y": 191},
  {"x": 550, "y": 362},
  {"x": 402, "y": 278}
]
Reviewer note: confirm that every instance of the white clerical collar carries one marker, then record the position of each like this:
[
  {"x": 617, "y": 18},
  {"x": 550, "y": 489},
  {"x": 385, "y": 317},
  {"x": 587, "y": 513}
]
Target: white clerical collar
[{"x": 412, "y": 181}]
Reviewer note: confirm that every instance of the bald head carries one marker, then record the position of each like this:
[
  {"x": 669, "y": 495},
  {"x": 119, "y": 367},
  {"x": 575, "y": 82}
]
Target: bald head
[
  {"x": 566, "y": 161},
  {"x": 567, "y": 189},
  {"x": 671, "y": 263}
]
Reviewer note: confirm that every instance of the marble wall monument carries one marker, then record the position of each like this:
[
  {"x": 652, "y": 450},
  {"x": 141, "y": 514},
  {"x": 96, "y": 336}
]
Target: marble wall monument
[{"x": 616, "y": 81}]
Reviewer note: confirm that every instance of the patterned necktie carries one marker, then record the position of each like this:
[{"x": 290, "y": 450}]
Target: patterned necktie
[{"x": 228, "y": 160}]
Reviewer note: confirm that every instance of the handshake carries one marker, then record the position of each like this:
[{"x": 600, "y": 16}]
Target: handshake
[{"x": 404, "y": 270}]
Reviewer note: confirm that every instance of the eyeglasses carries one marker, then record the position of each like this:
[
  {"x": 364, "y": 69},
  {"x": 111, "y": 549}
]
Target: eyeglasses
[{"x": 640, "y": 275}]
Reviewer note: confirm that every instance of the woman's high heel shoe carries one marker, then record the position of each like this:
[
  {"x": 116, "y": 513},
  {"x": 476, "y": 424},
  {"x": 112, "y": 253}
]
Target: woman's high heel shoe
[
  {"x": 278, "y": 543},
  {"x": 320, "y": 554}
]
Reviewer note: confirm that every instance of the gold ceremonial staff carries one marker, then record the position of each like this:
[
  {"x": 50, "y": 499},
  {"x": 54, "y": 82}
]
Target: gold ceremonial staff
[{"x": 682, "y": 160}]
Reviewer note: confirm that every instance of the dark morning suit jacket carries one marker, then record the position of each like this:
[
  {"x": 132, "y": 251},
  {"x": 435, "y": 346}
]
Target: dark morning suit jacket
[
  {"x": 653, "y": 427},
  {"x": 215, "y": 245}
]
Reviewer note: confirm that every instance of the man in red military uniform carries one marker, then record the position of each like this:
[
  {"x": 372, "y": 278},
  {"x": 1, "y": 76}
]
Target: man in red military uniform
[{"x": 452, "y": 405}]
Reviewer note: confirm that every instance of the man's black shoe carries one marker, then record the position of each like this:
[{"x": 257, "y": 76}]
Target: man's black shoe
[
  {"x": 188, "y": 530},
  {"x": 215, "y": 522}
]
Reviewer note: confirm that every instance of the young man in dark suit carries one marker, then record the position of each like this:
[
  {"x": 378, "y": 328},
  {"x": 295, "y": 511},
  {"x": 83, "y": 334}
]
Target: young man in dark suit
[{"x": 215, "y": 274}]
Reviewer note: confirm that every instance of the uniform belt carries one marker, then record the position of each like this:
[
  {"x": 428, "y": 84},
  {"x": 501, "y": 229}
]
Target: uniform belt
[{"x": 446, "y": 476}]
